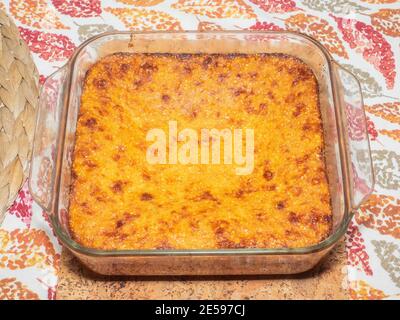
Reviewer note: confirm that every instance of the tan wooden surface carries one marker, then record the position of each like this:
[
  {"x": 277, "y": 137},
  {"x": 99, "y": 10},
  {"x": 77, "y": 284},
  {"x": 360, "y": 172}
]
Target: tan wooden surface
[{"x": 325, "y": 282}]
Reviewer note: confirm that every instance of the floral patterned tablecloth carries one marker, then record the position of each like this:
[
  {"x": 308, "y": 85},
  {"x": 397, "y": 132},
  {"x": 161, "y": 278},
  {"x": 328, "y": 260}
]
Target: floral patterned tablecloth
[{"x": 363, "y": 35}]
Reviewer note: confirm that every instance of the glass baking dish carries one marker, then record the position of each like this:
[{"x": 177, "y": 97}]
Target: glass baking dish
[{"x": 347, "y": 151}]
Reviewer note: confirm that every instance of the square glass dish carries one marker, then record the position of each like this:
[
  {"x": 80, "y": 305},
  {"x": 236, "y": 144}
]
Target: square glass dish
[{"x": 346, "y": 151}]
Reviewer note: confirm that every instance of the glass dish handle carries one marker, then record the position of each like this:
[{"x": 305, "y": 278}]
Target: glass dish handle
[
  {"x": 356, "y": 135},
  {"x": 43, "y": 162}
]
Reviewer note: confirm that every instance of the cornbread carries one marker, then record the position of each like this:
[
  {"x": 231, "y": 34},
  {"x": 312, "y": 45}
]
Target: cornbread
[{"x": 121, "y": 201}]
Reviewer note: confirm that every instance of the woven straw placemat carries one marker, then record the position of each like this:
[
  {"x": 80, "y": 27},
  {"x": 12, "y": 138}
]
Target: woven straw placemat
[{"x": 18, "y": 104}]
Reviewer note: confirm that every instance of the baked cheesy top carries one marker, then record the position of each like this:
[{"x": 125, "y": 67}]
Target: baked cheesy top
[{"x": 121, "y": 201}]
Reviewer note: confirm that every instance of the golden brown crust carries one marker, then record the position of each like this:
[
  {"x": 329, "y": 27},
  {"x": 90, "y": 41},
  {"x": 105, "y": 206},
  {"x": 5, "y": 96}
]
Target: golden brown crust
[{"x": 119, "y": 201}]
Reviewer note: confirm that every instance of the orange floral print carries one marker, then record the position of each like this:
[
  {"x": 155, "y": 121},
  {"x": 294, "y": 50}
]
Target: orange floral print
[
  {"x": 216, "y": 8},
  {"x": 394, "y": 134},
  {"x": 36, "y": 13},
  {"x": 208, "y": 26},
  {"x": 361, "y": 290},
  {"x": 27, "y": 248},
  {"x": 381, "y": 213},
  {"x": 146, "y": 20},
  {"x": 389, "y": 111},
  {"x": 318, "y": 28},
  {"x": 387, "y": 21},
  {"x": 11, "y": 289},
  {"x": 142, "y": 3}
]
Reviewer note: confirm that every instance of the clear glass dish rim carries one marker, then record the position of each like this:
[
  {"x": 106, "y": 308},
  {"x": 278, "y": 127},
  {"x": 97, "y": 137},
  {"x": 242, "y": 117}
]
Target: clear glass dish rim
[{"x": 325, "y": 244}]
